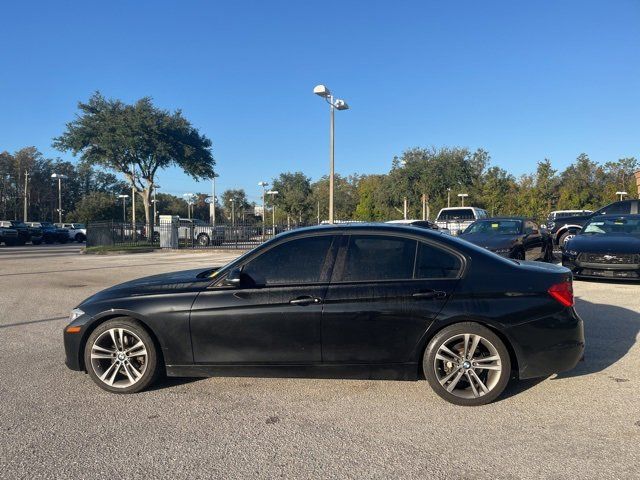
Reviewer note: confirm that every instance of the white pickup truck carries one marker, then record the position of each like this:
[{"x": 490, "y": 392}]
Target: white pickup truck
[
  {"x": 457, "y": 219},
  {"x": 195, "y": 231}
]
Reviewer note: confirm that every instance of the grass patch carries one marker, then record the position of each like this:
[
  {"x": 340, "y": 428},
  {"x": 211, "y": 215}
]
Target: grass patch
[{"x": 117, "y": 249}]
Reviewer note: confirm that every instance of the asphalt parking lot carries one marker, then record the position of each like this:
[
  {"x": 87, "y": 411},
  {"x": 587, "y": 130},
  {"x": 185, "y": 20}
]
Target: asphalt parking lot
[{"x": 56, "y": 423}]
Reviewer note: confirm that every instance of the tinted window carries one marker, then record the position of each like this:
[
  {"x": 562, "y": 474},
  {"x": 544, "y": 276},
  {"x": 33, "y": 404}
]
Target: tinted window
[
  {"x": 297, "y": 261},
  {"x": 495, "y": 227},
  {"x": 616, "y": 208},
  {"x": 433, "y": 262},
  {"x": 376, "y": 257},
  {"x": 457, "y": 214}
]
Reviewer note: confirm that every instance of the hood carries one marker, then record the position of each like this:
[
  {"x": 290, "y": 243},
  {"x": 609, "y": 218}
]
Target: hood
[
  {"x": 175, "y": 282},
  {"x": 490, "y": 241},
  {"x": 605, "y": 243}
]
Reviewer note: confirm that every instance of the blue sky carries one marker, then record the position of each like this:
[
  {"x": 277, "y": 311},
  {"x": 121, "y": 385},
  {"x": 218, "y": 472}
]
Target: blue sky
[{"x": 524, "y": 80}]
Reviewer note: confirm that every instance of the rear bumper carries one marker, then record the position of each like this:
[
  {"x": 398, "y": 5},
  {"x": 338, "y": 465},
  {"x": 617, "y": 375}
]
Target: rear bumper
[{"x": 548, "y": 345}]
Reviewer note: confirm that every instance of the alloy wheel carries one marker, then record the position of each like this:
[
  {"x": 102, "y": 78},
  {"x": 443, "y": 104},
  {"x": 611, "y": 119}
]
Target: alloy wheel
[
  {"x": 468, "y": 366},
  {"x": 119, "y": 358}
]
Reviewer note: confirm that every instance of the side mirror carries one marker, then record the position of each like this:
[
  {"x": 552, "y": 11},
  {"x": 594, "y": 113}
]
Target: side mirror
[{"x": 233, "y": 278}]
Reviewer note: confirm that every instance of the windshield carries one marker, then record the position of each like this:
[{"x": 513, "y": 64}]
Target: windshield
[
  {"x": 625, "y": 226},
  {"x": 496, "y": 227},
  {"x": 78, "y": 225}
]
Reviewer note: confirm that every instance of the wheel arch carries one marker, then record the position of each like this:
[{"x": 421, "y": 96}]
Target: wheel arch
[
  {"x": 487, "y": 323},
  {"x": 99, "y": 320},
  {"x": 564, "y": 229}
]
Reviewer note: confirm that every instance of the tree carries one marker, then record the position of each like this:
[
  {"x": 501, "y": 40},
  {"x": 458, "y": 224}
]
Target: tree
[
  {"x": 373, "y": 202},
  {"x": 95, "y": 206},
  {"x": 294, "y": 194},
  {"x": 345, "y": 196},
  {"x": 136, "y": 140},
  {"x": 235, "y": 200}
]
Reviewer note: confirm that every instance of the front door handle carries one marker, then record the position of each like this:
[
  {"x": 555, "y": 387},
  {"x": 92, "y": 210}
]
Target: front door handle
[
  {"x": 306, "y": 300},
  {"x": 430, "y": 294}
]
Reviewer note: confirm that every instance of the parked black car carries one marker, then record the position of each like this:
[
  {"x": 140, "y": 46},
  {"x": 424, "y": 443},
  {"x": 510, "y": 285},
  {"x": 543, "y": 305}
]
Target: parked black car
[
  {"x": 607, "y": 247},
  {"x": 565, "y": 228},
  {"x": 51, "y": 233},
  {"x": 364, "y": 301},
  {"x": 512, "y": 237},
  {"x": 23, "y": 231},
  {"x": 8, "y": 236}
]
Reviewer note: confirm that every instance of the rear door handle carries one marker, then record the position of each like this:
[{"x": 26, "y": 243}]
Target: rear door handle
[
  {"x": 430, "y": 294},
  {"x": 307, "y": 300}
]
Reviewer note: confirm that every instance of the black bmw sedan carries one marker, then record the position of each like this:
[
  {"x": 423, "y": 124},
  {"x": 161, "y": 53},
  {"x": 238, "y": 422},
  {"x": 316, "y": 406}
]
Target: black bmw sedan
[
  {"x": 512, "y": 237},
  {"x": 350, "y": 301},
  {"x": 607, "y": 247}
]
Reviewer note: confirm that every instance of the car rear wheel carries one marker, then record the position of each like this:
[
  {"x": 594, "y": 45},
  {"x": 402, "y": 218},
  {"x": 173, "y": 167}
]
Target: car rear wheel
[
  {"x": 467, "y": 364},
  {"x": 203, "y": 239},
  {"x": 121, "y": 357},
  {"x": 80, "y": 237}
]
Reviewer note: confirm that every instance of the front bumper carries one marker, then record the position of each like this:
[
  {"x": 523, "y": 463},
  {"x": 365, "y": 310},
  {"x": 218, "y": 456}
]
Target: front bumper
[
  {"x": 548, "y": 345},
  {"x": 579, "y": 269}
]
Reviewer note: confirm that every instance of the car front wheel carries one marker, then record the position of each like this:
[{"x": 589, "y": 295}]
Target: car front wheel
[
  {"x": 467, "y": 364},
  {"x": 121, "y": 357},
  {"x": 203, "y": 239}
]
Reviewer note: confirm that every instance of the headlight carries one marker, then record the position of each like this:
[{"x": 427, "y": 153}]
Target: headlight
[
  {"x": 551, "y": 225},
  {"x": 502, "y": 250},
  {"x": 571, "y": 253},
  {"x": 75, "y": 313}
]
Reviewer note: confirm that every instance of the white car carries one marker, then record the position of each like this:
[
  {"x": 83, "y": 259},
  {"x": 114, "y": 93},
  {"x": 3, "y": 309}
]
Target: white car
[
  {"x": 77, "y": 231},
  {"x": 457, "y": 219}
]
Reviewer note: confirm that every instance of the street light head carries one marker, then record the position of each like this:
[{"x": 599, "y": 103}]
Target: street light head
[
  {"x": 272, "y": 192},
  {"x": 123, "y": 196},
  {"x": 262, "y": 184},
  {"x": 463, "y": 194},
  {"x": 59, "y": 175},
  {"x": 621, "y": 193},
  {"x": 341, "y": 105},
  {"x": 321, "y": 91}
]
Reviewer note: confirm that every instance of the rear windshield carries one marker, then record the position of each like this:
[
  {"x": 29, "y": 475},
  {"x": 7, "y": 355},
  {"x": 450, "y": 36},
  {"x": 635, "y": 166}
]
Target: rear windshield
[
  {"x": 457, "y": 214},
  {"x": 495, "y": 227}
]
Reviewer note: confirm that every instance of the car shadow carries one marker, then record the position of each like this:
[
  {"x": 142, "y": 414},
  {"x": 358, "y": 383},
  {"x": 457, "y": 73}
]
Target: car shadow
[
  {"x": 610, "y": 332},
  {"x": 168, "y": 382}
]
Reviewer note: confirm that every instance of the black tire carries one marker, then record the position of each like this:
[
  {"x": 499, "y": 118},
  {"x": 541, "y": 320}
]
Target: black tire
[
  {"x": 36, "y": 242},
  {"x": 518, "y": 254},
  {"x": 11, "y": 243},
  {"x": 565, "y": 236},
  {"x": 153, "y": 361},
  {"x": 80, "y": 238},
  {"x": 430, "y": 366},
  {"x": 203, "y": 240},
  {"x": 62, "y": 240}
]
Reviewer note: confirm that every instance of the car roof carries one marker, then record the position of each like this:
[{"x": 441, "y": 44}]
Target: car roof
[
  {"x": 503, "y": 218},
  {"x": 361, "y": 227},
  {"x": 633, "y": 216}
]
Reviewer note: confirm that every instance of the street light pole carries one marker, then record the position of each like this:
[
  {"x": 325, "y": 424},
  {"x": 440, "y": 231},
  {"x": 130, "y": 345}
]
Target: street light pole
[
  {"x": 60, "y": 177},
  {"x": 233, "y": 211},
  {"x": 212, "y": 205},
  {"x": 124, "y": 207},
  {"x": 334, "y": 104},
  {"x": 264, "y": 191},
  {"x": 448, "y": 197},
  {"x": 26, "y": 183}
]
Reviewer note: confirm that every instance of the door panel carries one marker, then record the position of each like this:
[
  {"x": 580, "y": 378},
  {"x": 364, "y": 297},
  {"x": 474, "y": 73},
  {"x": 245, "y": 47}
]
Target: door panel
[
  {"x": 257, "y": 325},
  {"x": 379, "y": 323}
]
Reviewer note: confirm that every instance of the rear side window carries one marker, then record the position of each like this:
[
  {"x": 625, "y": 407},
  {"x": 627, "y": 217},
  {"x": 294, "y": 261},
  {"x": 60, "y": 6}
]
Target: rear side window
[
  {"x": 618, "y": 208},
  {"x": 377, "y": 257},
  {"x": 297, "y": 261},
  {"x": 433, "y": 262}
]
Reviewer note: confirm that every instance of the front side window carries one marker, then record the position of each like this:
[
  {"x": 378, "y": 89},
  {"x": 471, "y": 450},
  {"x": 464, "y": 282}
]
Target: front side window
[
  {"x": 377, "y": 257},
  {"x": 433, "y": 262},
  {"x": 295, "y": 262}
]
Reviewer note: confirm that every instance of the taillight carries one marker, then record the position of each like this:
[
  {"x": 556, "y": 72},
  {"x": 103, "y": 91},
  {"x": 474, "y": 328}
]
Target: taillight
[{"x": 563, "y": 293}]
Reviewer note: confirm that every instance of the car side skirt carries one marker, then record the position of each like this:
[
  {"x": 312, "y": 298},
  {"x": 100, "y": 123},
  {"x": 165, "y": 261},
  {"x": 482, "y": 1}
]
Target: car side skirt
[{"x": 396, "y": 371}]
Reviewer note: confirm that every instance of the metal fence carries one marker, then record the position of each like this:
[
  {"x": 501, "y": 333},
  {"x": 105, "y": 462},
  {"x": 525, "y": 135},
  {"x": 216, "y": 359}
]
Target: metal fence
[{"x": 183, "y": 235}]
